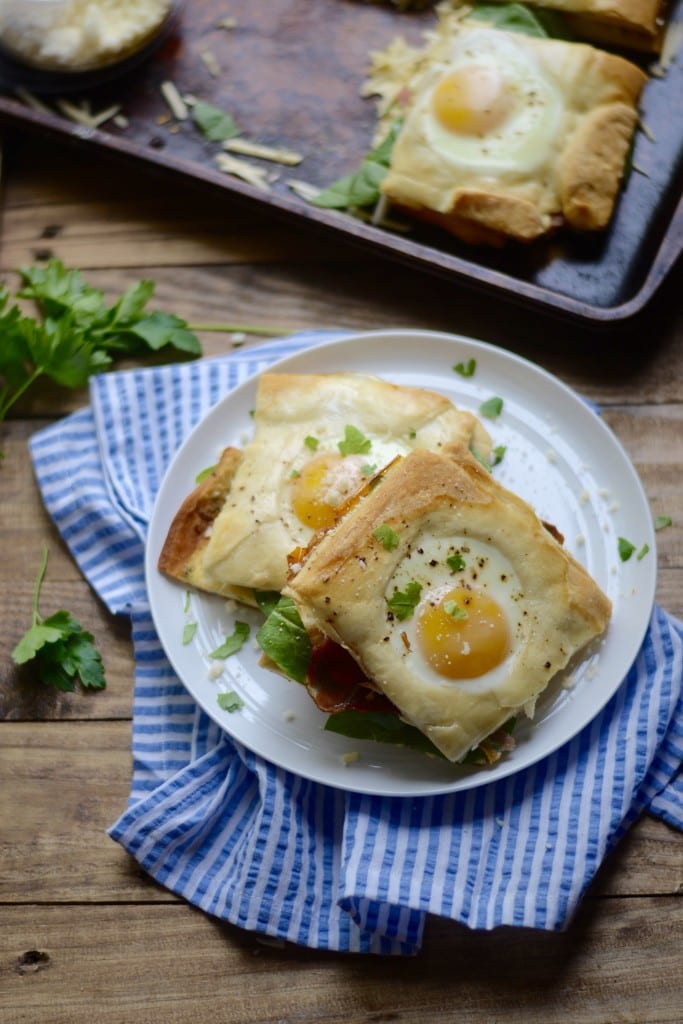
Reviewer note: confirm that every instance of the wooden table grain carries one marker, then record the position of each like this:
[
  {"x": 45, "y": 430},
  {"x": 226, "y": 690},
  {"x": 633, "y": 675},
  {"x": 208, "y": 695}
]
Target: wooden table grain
[{"x": 85, "y": 936}]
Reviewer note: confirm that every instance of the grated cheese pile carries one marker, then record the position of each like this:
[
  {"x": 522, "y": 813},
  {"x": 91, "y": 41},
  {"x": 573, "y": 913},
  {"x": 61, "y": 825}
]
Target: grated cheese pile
[{"x": 79, "y": 34}]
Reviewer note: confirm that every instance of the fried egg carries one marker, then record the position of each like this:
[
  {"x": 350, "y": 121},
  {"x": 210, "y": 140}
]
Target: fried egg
[
  {"x": 469, "y": 620},
  {"x": 318, "y": 441},
  {"x": 453, "y": 597},
  {"x": 492, "y": 110}
]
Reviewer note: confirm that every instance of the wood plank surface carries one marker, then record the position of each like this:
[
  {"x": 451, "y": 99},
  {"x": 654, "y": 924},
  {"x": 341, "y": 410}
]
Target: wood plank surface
[
  {"x": 85, "y": 935},
  {"x": 73, "y": 965}
]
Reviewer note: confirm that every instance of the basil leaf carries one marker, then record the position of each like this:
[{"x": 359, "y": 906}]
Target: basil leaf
[
  {"x": 283, "y": 638},
  {"x": 362, "y": 187},
  {"x": 380, "y": 727},
  {"x": 213, "y": 123}
]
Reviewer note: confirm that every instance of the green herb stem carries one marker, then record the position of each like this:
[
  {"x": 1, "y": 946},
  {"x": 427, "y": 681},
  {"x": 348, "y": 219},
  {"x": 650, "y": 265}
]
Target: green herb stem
[
  {"x": 270, "y": 332},
  {"x": 6, "y": 405},
  {"x": 38, "y": 584}
]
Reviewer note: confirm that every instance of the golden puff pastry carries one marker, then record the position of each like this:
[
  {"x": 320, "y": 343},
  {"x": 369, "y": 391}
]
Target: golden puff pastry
[
  {"x": 318, "y": 439},
  {"x": 451, "y": 594},
  {"x": 508, "y": 136}
]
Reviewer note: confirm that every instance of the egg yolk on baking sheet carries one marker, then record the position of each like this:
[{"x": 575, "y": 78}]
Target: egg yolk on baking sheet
[
  {"x": 472, "y": 101},
  {"x": 463, "y": 633}
]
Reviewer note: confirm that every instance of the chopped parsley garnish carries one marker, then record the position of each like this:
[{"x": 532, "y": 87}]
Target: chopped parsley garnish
[
  {"x": 355, "y": 442},
  {"x": 480, "y": 459},
  {"x": 386, "y": 536},
  {"x": 62, "y": 650},
  {"x": 189, "y": 630},
  {"x": 233, "y": 643},
  {"x": 311, "y": 442},
  {"x": 453, "y": 609},
  {"x": 492, "y": 407},
  {"x": 498, "y": 454},
  {"x": 661, "y": 522},
  {"x": 625, "y": 548},
  {"x": 404, "y": 603},
  {"x": 368, "y": 469},
  {"x": 643, "y": 551},
  {"x": 455, "y": 562},
  {"x": 466, "y": 369},
  {"x": 229, "y": 701}
]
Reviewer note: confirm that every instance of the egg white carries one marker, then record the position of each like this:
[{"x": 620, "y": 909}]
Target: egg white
[
  {"x": 485, "y": 569},
  {"x": 521, "y": 143}
]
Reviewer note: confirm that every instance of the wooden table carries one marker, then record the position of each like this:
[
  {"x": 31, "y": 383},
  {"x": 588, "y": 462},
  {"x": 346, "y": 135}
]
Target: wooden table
[{"x": 85, "y": 936}]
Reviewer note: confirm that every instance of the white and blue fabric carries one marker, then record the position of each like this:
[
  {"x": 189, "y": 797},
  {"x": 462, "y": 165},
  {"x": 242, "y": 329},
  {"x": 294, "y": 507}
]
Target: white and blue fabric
[{"x": 285, "y": 857}]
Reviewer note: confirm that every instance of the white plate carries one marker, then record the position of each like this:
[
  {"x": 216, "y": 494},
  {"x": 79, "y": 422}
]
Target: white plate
[{"x": 560, "y": 457}]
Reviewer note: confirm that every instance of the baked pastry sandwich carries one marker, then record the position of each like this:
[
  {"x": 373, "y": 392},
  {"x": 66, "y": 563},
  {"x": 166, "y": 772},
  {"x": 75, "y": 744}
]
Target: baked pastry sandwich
[
  {"x": 318, "y": 440},
  {"x": 505, "y": 135},
  {"x": 456, "y": 602}
]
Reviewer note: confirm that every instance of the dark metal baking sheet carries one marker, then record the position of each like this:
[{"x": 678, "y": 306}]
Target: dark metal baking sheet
[{"x": 290, "y": 75}]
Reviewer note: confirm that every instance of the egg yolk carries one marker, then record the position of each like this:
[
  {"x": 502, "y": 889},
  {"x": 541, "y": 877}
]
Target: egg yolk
[
  {"x": 472, "y": 100},
  {"x": 324, "y": 483},
  {"x": 464, "y": 634}
]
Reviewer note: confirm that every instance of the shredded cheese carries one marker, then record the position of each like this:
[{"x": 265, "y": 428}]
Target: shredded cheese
[{"x": 256, "y": 149}]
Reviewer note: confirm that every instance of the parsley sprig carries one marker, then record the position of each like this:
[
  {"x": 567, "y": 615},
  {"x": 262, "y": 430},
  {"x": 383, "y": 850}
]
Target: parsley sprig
[
  {"x": 76, "y": 334},
  {"x": 62, "y": 650}
]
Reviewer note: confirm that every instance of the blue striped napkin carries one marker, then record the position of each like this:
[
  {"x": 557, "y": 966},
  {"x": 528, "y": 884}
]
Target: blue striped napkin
[{"x": 272, "y": 852}]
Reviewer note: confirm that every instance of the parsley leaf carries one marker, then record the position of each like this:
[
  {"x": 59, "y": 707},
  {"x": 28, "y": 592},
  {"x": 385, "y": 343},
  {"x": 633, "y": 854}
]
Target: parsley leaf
[
  {"x": 233, "y": 643},
  {"x": 62, "y": 650},
  {"x": 311, "y": 442},
  {"x": 76, "y": 334},
  {"x": 386, "y": 536},
  {"x": 661, "y": 522},
  {"x": 466, "y": 369},
  {"x": 229, "y": 701},
  {"x": 498, "y": 454},
  {"x": 625, "y": 548},
  {"x": 492, "y": 407},
  {"x": 456, "y": 562},
  {"x": 453, "y": 609},
  {"x": 189, "y": 630},
  {"x": 355, "y": 442},
  {"x": 403, "y": 603}
]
